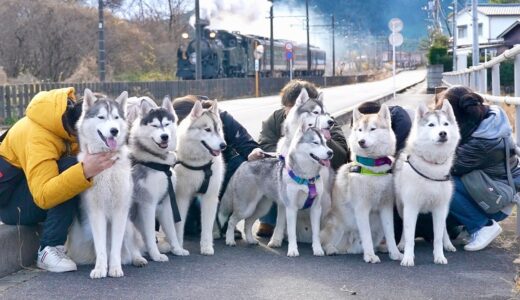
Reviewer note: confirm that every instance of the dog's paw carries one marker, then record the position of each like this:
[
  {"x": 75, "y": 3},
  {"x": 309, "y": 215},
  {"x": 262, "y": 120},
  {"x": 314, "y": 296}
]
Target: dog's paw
[
  {"x": 450, "y": 248},
  {"x": 98, "y": 273},
  {"x": 400, "y": 246},
  {"x": 407, "y": 261},
  {"x": 180, "y": 252},
  {"x": 371, "y": 258},
  {"x": 160, "y": 257},
  {"x": 274, "y": 243},
  {"x": 330, "y": 250},
  {"x": 440, "y": 260},
  {"x": 382, "y": 248},
  {"x": 115, "y": 271},
  {"x": 293, "y": 253},
  {"x": 318, "y": 251},
  {"x": 207, "y": 250},
  {"x": 231, "y": 242},
  {"x": 396, "y": 256},
  {"x": 252, "y": 241},
  {"x": 139, "y": 262}
]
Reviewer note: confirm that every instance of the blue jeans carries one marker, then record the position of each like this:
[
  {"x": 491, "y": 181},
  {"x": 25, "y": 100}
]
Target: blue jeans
[
  {"x": 21, "y": 210},
  {"x": 465, "y": 211}
]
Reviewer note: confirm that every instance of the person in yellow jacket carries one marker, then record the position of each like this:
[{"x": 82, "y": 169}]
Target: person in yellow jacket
[{"x": 40, "y": 177}]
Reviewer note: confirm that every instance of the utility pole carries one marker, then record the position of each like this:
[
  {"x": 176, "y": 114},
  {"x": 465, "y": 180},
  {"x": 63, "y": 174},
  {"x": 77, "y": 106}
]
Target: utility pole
[
  {"x": 475, "y": 52},
  {"x": 101, "y": 39},
  {"x": 454, "y": 34},
  {"x": 333, "y": 46},
  {"x": 271, "y": 45},
  {"x": 198, "y": 34},
  {"x": 308, "y": 43}
]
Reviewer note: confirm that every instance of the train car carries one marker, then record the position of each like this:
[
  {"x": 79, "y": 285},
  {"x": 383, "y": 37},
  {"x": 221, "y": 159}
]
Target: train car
[{"x": 227, "y": 54}]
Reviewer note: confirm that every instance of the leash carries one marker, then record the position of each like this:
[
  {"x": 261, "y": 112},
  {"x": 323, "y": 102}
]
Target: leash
[
  {"x": 309, "y": 182},
  {"x": 446, "y": 178},
  {"x": 207, "y": 174},
  {"x": 361, "y": 161},
  {"x": 166, "y": 169}
]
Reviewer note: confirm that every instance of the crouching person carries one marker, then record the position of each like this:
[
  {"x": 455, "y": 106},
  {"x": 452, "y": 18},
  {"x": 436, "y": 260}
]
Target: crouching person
[{"x": 40, "y": 177}]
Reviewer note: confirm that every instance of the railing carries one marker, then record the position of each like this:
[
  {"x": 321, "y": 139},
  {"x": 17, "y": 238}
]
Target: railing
[{"x": 476, "y": 78}]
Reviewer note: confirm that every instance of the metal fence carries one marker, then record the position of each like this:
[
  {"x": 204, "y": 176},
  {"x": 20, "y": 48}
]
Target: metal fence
[
  {"x": 476, "y": 78},
  {"x": 14, "y": 98}
]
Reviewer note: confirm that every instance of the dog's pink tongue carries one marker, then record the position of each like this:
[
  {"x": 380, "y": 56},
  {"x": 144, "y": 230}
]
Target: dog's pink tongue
[
  {"x": 325, "y": 162},
  {"x": 326, "y": 133},
  {"x": 215, "y": 152},
  {"x": 112, "y": 143}
]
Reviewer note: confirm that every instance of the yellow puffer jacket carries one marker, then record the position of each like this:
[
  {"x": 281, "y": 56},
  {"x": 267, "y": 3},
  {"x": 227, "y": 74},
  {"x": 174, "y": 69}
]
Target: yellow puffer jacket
[{"x": 35, "y": 144}]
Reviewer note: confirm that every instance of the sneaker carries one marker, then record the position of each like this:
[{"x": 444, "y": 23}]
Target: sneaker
[
  {"x": 482, "y": 238},
  {"x": 265, "y": 230},
  {"x": 54, "y": 259}
]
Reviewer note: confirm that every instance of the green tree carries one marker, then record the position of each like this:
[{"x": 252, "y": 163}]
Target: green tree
[{"x": 503, "y": 1}]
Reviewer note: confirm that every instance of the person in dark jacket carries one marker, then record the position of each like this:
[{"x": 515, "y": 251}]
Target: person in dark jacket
[
  {"x": 272, "y": 132},
  {"x": 483, "y": 129},
  {"x": 240, "y": 148}
]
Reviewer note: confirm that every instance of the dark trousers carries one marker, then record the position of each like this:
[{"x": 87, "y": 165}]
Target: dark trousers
[{"x": 20, "y": 209}]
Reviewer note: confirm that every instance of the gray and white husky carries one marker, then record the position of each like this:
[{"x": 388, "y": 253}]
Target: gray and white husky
[
  {"x": 153, "y": 139},
  {"x": 256, "y": 184},
  {"x": 363, "y": 194},
  {"x": 422, "y": 180},
  {"x": 104, "y": 207},
  {"x": 200, "y": 141}
]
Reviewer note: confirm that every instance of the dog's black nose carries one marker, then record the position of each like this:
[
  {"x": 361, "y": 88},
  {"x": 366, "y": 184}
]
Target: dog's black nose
[
  {"x": 330, "y": 122},
  {"x": 114, "y": 131},
  {"x": 443, "y": 134},
  {"x": 361, "y": 143},
  {"x": 164, "y": 137},
  {"x": 223, "y": 146},
  {"x": 330, "y": 153}
]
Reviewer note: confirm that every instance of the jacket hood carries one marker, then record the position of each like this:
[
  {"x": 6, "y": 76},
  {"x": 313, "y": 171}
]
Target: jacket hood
[
  {"x": 47, "y": 109},
  {"x": 495, "y": 125}
]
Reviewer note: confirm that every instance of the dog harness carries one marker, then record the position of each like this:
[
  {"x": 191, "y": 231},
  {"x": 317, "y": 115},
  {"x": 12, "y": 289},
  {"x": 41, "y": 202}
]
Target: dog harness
[
  {"x": 309, "y": 182},
  {"x": 207, "y": 174},
  {"x": 445, "y": 178},
  {"x": 357, "y": 167},
  {"x": 166, "y": 169}
]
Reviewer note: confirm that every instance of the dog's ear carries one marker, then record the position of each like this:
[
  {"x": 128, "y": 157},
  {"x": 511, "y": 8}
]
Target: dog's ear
[
  {"x": 422, "y": 110},
  {"x": 320, "y": 97},
  {"x": 302, "y": 97},
  {"x": 88, "y": 99},
  {"x": 197, "y": 110},
  {"x": 356, "y": 115},
  {"x": 167, "y": 104},
  {"x": 448, "y": 109},
  {"x": 122, "y": 101},
  {"x": 384, "y": 114},
  {"x": 214, "y": 107},
  {"x": 145, "y": 106}
]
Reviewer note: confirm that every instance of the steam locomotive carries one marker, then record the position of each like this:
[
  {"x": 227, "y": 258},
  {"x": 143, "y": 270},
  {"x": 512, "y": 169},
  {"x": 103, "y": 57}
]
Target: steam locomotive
[{"x": 230, "y": 54}]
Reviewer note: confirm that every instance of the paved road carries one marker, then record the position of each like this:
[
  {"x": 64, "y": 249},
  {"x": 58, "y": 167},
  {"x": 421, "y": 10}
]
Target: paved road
[
  {"x": 257, "y": 272},
  {"x": 251, "y": 111}
]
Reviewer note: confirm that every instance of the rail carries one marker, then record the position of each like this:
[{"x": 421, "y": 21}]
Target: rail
[{"x": 476, "y": 78}]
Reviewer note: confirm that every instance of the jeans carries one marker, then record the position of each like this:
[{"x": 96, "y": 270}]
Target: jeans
[
  {"x": 465, "y": 211},
  {"x": 21, "y": 210}
]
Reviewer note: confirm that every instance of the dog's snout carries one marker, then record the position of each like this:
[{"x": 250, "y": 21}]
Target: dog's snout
[
  {"x": 164, "y": 137},
  {"x": 223, "y": 146},
  {"x": 361, "y": 143},
  {"x": 330, "y": 122},
  {"x": 330, "y": 153},
  {"x": 443, "y": 134},
  {"x": 114, "y": 131}
]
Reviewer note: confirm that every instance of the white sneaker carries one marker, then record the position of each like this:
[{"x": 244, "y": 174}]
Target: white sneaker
[
  {"x": 54, "y": 259},
  {"x": 482, "y": 238}
]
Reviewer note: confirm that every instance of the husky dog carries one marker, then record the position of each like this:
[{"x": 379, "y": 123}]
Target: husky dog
[
  {"x": 200, "y": 169},
  {"x": 363, "y": 196},
  {"x": 293, "y": 183},
  {"x": 422, "y": 180},
  {"x": 152, "y": 142},
  {"x": 101, "y": 128},
  {"x": 133, "y": 107}
]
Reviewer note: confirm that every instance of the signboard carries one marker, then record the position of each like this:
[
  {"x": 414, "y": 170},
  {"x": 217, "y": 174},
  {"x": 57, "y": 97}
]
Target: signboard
[
  {"x": 396, "y": 39},
  {"x": 257, "y": 65},
  {"x": 288, "y": 51},
  {"x": 395, "y": 25}
]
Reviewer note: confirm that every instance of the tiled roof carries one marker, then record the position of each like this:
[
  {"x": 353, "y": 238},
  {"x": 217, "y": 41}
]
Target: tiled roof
[{"x": 499, "y": 10}]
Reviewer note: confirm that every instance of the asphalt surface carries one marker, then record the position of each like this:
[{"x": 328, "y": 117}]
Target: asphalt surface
[{"x": 258, "y": 272}]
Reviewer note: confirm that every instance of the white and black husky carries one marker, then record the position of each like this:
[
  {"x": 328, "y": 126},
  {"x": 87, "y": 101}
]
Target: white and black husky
[
  {"x": 422, "y": 181},
  {"x": 153, "y": 139},
  {"x": 104, "y": 207},
  {"x": 363, "y": 193},
  {"x": 200, "y": 169},
  {"x": 293, "y": 182}
]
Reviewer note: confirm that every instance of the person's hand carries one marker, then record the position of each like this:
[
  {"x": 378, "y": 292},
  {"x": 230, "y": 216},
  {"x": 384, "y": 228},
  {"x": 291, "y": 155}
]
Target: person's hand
[
  {"x": 257, "y": 153},
  {"x": 94, "y": 164}
]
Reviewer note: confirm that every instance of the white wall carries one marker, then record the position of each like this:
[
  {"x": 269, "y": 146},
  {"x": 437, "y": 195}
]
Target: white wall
[
  {"x": 499, "y": 24},
  {"x": 465, "y": 19}
]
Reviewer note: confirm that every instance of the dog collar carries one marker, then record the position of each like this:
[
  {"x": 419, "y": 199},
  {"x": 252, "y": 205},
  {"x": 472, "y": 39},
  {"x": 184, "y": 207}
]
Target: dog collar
[
  {"x": 445, "y": 178},
  {"x": 166, "y": 169},
  {"x": 356, "y": 168},
  {"x": 207, "y": 174},
  {"x": 374, "y": 162},
  {"x": 309, "y": 182}
]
